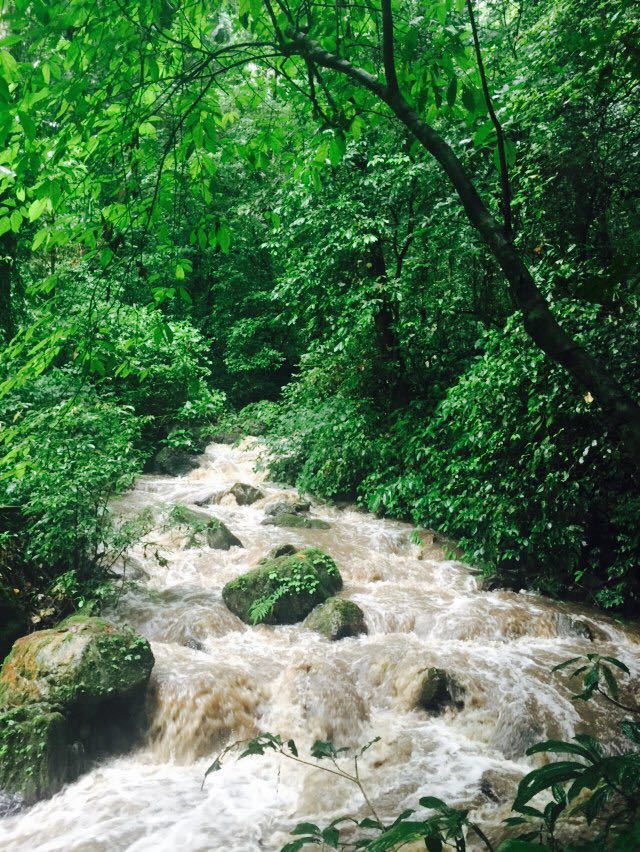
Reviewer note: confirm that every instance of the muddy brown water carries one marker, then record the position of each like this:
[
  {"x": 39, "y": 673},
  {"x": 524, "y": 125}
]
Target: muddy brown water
[{"x": 216, "y": 678}]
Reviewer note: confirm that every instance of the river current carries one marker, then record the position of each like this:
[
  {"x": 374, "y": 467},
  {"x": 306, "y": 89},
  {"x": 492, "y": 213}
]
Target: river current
[{"x": 217, "y": 680}]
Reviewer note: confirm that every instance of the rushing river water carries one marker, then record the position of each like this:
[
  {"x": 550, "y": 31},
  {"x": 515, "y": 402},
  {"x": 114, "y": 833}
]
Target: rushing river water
[{"x": 216, "y": 678}]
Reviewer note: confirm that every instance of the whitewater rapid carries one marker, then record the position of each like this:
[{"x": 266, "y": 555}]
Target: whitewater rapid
[{"x": 217, "y": 679}]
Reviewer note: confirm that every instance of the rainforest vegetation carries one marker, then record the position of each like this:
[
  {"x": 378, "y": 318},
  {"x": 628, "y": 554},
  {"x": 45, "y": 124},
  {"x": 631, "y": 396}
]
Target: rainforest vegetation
[{"x": 398, "y": 240}]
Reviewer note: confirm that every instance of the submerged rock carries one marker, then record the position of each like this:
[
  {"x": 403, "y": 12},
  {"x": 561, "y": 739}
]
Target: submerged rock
[
  {"x": 291, "y": 506},
  {"x": 518, "y": 727},
  {"x": 173, "y": 461},
  {"x": 245, "y": 494},
  {"x": 572, "y": 625},
  {"x": 285, "y": 589},
  {"x": 217, "y": 535},
  {"x": 337, "y": 618},
  {"x": 67, "y": 695},
  {"x": 220, "y": 537},
  {"x": 280, "y": 550},
  {"x": 439, "y": 690},
  {"x": 287, "y": 519},
  {"x": 499, "y": 785}
]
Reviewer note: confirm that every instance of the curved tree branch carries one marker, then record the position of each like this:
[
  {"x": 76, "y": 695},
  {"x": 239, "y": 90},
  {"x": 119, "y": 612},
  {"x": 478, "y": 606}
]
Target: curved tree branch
[
  {"x": 502, "y": 155},
  {"x": 539, "y": 322}
]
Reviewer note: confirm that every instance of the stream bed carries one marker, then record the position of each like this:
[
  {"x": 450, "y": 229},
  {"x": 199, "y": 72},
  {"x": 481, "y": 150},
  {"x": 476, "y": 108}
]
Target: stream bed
[{"x": 217, "y": 679}]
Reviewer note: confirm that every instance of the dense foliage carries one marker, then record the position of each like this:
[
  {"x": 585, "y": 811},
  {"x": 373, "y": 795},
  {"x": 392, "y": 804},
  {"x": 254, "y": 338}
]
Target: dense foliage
[{"x": 420, "y": 247}]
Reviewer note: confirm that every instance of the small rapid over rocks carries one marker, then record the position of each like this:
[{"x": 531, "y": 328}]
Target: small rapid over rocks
[{"x": 217, "y": 679}]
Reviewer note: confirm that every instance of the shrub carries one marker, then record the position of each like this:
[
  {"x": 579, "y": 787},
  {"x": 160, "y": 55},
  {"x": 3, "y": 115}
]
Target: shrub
[
  {"x": 75, "y": 455},
  {"x": 519, "y": 464}
]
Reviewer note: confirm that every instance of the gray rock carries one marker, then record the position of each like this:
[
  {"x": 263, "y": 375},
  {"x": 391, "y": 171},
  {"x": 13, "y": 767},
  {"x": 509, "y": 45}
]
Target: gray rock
[
  {"x": 337, "y": 618},
  {"x": 245, "y": 494},
  {"x": 438, "y": 690},
  {"x": 173, "y": 461},
  {"x": 290, "y": 506}
]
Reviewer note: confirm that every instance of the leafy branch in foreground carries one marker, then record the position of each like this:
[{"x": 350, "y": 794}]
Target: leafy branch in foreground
[
  {"x": 602, "y": 787},
  {"x": 446, "y": 827}
]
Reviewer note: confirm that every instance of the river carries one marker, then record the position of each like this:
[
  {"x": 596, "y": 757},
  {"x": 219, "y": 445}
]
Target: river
[{"x": 216, "y": 678}]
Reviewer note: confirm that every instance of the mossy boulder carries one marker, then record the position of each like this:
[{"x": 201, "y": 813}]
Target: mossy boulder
[
  {"x": 173, "y": 461},
  {"x": 295, "y": 521},
  {"x": 204, "y": 528},
  {"x": 439, "y": 690},
  {"x": 283, "y": 590},
  {"x": 68, "y": 695},
  {"x": 337, "y": 618},
  {"x": 245, "y": 494},
  {"x": 78, "y": 664}
]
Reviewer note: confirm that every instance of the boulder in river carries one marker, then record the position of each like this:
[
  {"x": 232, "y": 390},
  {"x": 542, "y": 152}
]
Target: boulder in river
[
  {"x": 173, "y": 461},
  {"x": 295, "y": 521},
  {"x": 220, "y": 537},
  {"x": 245, "y": 494},
  {"x": 283, "y": 590},
  {"x": 337, "y": 618},
  {"x": 67, "y": 695},
  {"x": 202, "y": 526},
  {"x": 289, "y": 505},
  {"x": 280, "y": 550},
  {"x": 439, "y": 690}
]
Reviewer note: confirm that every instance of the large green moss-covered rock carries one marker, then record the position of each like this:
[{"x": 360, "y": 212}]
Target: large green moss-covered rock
[
  {"x": 337, "y": 618},
  {"x": 285, "y": 589},
  {"x": 68, "y": 695},
  {"x": 77, "y": 664}
]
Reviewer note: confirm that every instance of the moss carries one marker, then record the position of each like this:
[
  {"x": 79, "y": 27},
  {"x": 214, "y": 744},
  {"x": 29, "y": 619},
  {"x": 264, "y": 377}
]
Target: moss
[
  {"x": 80, "y": 662},
  {"x": 204, "y": 528},
  {"x": 285, "y": 589},
  {"x": 69, "y": 694},
  {"x": 36, "y": 758},
  {"x": 337, "y": 618}
]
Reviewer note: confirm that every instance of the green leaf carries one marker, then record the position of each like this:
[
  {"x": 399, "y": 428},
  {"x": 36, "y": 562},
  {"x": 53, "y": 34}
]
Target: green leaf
[
  {"x": 223, "y": 237},
  {"x": 433, "y": 803},
  {"x": 39, "y": 239},
  {"x": 544, "y": 778},
  {"x": 37, "y": 208},
  {"x": 306, "y": 828},
  {"x": 561, "y": 747},
  {"x": 566, "y": 663}
]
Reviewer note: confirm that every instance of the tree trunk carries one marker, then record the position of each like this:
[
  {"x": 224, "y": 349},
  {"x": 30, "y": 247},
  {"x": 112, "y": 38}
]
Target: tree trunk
[
  {"x": 539, "y": 322},
  {"x": 7, "y": 250}
]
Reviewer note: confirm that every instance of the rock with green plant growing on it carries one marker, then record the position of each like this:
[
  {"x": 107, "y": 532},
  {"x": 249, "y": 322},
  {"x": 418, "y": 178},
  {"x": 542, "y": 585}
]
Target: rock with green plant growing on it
[{"x": 285, "y": 589}]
